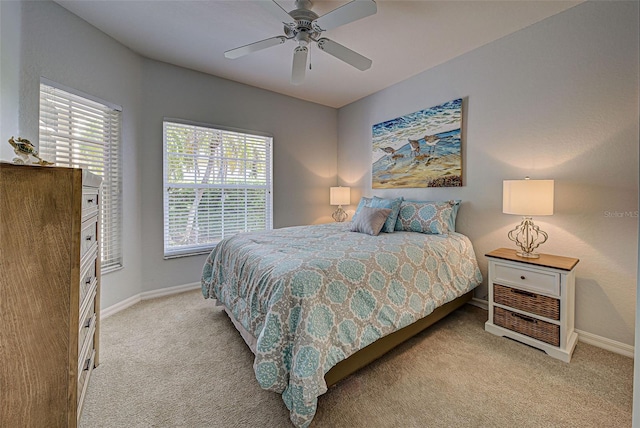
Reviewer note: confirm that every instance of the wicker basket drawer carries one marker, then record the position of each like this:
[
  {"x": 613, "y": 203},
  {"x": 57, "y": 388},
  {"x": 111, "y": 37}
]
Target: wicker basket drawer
[
  {"x": 532, "y": 327},
  {"x": 527, "y": 301}
]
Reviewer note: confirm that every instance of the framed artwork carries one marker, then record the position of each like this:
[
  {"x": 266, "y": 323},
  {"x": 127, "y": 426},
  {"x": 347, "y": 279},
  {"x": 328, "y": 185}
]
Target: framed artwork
[{"x": 421, "y": 149}]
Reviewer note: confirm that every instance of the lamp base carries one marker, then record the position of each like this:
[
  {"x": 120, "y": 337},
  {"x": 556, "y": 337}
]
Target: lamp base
[
  {"x": 528, "y": 237},
  {"x": 339, "y": 215},
  {"x": 528, "y": 255}
]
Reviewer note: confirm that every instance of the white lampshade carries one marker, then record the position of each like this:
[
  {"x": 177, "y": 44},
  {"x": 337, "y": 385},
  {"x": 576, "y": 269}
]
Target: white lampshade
[
  {"x": 527, "y": 197},
  {"x": 340, "y": 196}
]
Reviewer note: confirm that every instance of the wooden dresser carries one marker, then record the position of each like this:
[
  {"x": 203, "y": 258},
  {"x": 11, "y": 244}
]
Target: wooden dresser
[{"x": 49, "y": 293}]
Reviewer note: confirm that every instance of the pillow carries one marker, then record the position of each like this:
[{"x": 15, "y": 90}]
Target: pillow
[
  {"x": 364, "y": 202},
  {"x": 427, "y": 216},
  {"x": 370, "y": 220},
  {"x": 454, "y": 214},
  {"x": 394, "y": 205}
]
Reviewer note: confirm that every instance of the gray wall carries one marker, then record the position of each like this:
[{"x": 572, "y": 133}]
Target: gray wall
[
  {"x": 65, "y": 49},
  {"x": 43, "y": 39},
  {"x": 557, "y": 100},
  {"x": 9, "y": 74},
  {"x": 304, "y": 153}
]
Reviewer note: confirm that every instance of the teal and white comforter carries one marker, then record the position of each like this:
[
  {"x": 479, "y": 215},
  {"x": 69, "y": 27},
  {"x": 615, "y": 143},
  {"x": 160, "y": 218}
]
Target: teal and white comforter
[{"x": 314, "y": 295}]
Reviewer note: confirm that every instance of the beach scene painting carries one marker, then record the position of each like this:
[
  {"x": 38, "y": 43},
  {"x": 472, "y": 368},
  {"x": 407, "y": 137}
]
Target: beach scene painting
[{"x": 421, "y": 149}]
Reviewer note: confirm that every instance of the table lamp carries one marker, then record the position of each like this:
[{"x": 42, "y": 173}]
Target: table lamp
[
  {"x": 339, "y": 196},
  {"x": 527, "y": 198}
]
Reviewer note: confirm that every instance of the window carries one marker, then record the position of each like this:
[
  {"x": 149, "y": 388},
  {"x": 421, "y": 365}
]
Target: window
[
  {"x": 77, "y": 130},
  {"x": 217, "y": 182}
]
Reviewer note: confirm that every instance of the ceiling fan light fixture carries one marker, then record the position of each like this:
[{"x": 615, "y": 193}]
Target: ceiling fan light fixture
[{"x": 299, "y": 64}]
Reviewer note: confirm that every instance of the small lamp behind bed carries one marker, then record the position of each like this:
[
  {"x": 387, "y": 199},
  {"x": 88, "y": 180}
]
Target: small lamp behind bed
[{"x": 339, "y": 196}]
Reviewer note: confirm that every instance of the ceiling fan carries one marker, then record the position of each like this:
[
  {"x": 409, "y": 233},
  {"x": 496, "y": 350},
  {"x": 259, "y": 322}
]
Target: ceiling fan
[{"x": 305, "y": 26}]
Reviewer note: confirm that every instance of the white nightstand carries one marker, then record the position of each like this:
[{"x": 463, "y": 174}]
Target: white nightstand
[{"x": 532, "y": 301}]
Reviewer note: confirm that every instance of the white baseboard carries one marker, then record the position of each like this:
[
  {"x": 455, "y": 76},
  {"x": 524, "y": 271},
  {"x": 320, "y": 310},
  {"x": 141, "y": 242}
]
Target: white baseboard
[
  {"x": 146, "y": 295},
  {"x": 604, "y": 343},
  {"x": 482, "y": 304},
  {"x": 583, "y": 336}
]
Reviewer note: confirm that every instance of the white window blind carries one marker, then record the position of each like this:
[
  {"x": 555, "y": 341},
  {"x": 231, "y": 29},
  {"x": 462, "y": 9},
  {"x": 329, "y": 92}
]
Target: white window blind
[
  {"x": 80, "y": 131},
  {"x": 217, "y": 183}
]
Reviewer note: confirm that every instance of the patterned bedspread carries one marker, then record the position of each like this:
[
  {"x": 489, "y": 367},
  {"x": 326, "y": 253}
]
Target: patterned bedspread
[{"x": 314, "y": 295}]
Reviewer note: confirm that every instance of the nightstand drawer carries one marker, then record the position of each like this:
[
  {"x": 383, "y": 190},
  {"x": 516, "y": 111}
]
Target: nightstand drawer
[
  {"x": 527, "y": 301},
  {"x": 529, "y": 326},
  {"x": 529, "y": 279}
]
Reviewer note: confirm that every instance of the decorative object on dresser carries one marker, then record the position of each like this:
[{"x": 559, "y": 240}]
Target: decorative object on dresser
[
  {"x": 49, "y": 293},
  {"x": 527, "y": 198},
  {"x": 532, "y": 300},
  {"x": 23, "y": 149},
  {"x": 339, "y": 196}
]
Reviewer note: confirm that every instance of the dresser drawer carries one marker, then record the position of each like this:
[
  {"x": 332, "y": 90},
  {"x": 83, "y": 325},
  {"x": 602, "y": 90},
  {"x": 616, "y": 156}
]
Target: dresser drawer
[
  {"x": 89, "y": 202},
  {"x": 88, "y": 280},
  {"x": 87, "y": 325},
  {"x": 527, "y": 301},
  {"x": 89, "y": 236},
  {"x": 529, "y": 279},
  {"x": 84, "y": 372},
  {"x": 529, "y": 326}
]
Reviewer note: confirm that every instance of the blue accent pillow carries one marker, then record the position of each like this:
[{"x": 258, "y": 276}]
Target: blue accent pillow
[
  {"x": 364, "y": 202},
  {"x": 394, "y": 205},
  {"x": 428, "y": 216}
]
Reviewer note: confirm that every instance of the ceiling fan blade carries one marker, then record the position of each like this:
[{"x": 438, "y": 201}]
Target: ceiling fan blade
[
  {"x": 352, "y": 11},
  {"x": 254, "y": 47},
  {"x": 278, "y": 12},
  {"x": 344, "y": 54},
  {"x": 299, "y": 64}
]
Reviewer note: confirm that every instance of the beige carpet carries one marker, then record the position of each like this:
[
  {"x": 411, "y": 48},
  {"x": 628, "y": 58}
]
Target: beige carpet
[{"x": 179, "y": 362}]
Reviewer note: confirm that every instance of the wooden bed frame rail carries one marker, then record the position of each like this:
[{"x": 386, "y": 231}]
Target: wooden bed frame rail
[{"x": 383, "y": 345}]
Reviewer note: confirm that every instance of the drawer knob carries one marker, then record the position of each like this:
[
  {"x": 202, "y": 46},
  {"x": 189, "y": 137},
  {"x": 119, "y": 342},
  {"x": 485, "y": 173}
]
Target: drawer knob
[
  {"x": 522, "y": 277},
  {"x": 89, "y": 238},
  {"x": 87, "y": 365},
  {"x": 88, "y": 280},
  {"x": 90, "y": 201}
]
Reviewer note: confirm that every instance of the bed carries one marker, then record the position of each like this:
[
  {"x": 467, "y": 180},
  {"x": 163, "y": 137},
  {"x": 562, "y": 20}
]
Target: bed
[{"x": 315, "y": 303}]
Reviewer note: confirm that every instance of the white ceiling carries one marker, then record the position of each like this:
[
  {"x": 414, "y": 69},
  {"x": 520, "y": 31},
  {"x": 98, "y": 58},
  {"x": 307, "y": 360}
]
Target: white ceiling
[{"x": 403, "y": 39}]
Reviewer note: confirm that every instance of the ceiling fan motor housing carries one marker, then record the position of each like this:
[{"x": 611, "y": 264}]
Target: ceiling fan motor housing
[{"x": 303, "y": 30}]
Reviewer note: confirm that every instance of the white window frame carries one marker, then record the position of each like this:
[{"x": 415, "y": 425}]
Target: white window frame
[
  {"x": 205, "y": 245},
  {"x": 64, "y": 141}
]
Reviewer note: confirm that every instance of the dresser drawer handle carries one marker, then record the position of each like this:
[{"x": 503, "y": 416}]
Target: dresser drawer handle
[
  {"x": 88, "y": 280},
  {"x": 90, "y": 201},
  {"x": 525, "y": 318},
  {"x": 524, "y": 293},
  {"x": 89, "y": 238},
  {"x": 522, "y": 277},
  {"x": 87, "y": 364}
]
